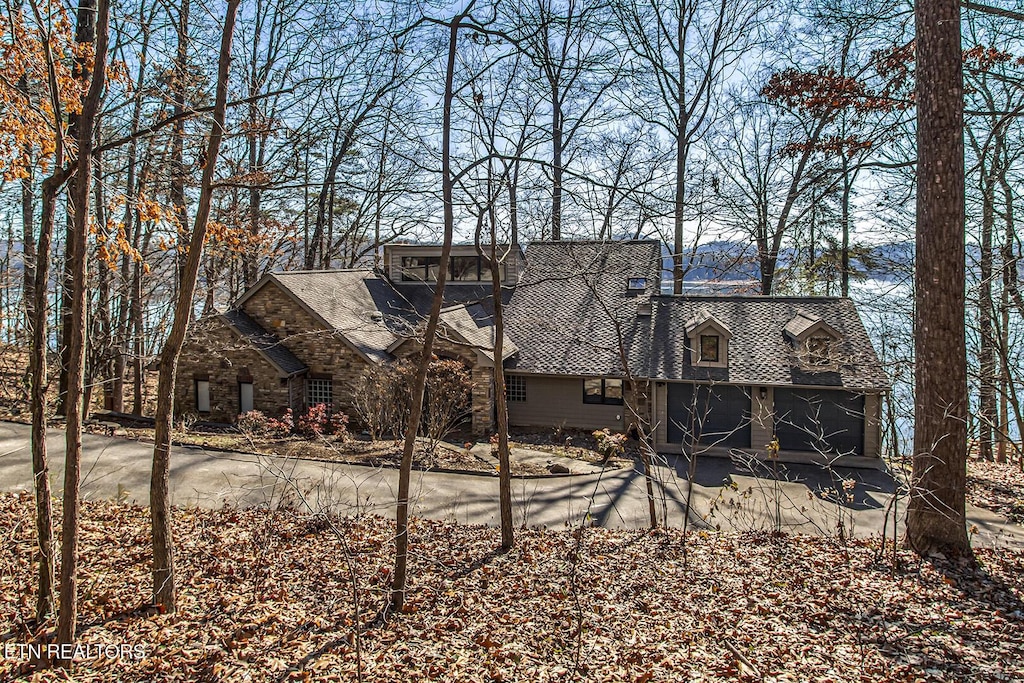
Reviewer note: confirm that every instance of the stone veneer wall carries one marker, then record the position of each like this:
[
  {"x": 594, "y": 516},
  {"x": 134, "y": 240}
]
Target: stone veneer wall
[
  {"x": 321, "y": 349},
  {"x": 215, "y": 352}
]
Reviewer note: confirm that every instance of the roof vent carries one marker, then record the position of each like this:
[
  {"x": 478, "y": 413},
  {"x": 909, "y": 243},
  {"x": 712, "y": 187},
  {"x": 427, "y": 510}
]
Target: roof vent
[{"x": 377, "y": 317}]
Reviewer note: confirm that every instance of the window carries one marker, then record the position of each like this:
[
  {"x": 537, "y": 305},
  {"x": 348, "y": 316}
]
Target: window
[
  {"x": 709, "y": 348},
  {"x": 819, "y": 349},
  {"x": 515, "y": 389},
  {"x": 245, "y": 402},
  {"x": 420, "y": 268},
  {"x": 319, "y": 391},
  {"x": 607, "y": 391},
  {"x": 465, "y": 268},
  {"x": 635, "y": 284},
  {"x": 202, "y": 395}
]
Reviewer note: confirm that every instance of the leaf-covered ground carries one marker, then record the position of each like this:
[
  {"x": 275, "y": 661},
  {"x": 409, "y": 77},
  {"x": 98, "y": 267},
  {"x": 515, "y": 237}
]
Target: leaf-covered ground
[
  {"x": 268, "y": 595},
  {"x": 997, "y": 486}
]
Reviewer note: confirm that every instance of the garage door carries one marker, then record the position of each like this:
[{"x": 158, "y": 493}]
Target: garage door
[
  {"x": 820, "y": 421},
  {"x": 715, "y": 415}
]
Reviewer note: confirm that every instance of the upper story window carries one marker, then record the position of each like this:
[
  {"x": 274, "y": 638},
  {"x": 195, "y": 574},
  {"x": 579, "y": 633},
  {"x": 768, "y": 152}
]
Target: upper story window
[
  {"x": 636, "y": 284},
  {"x": 709, "y": 348},
  {"x": 420, "y": 268},
  {"x": 460, "y": 269},
  {"x": 815, "y": 342},
  {"x": 819, "y": 349},
  {"x": 708, "y": 340},
  {"x": 603, "y": 390}
]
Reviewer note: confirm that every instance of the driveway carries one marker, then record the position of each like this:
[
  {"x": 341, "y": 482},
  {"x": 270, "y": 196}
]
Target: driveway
[{"x": 724, "y": 495}]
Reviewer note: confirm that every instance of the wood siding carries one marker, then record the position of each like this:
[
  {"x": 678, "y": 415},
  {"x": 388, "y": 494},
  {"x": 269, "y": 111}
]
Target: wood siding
[{"x": 558, "y": 402}]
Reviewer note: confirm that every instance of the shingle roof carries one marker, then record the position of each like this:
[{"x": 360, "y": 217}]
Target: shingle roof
[
  {"x": 355, "y": 303},
  {"x": 570, "y": 300},
  {"x": 265, "y": 342},
  {"x": 477, "y": 331},
  {"x": 760, "y": 353}
]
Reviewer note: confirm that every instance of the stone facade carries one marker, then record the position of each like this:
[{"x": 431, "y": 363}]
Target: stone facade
[
  {"x": 215, "y": 353},
  {"x": 326, "y": 353}
]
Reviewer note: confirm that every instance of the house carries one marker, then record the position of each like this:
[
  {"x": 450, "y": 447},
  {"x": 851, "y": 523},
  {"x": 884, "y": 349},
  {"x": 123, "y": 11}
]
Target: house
[{"x": 590, "y": 342}]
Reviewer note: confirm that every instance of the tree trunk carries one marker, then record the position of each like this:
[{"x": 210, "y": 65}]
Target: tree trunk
[
  {"x": 164, "y": 594},
  {"x": 95, "y": 22},
  {"x": 398, "y": 586},
  {"x": 38, "y": 367},
  {"x": 500, "y": 399},
  {"x": 936, "y": 520},
  {"x": 986, "y": 339},
  {"x": 178, "y": 172}
]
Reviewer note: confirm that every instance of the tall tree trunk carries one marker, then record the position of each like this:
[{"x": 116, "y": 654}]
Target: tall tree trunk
[
  {"x": 130, "y": 222},
  {"x": 986, "y": 341},
  {"x": 844, "y": 256},
  {"x": 936, "y": 519},
  {"x": 38, "y": 367},
  {"x": 102, "y": 338},
  {"x": 500, "y": 399},
  {"x": 179, "y": 93},
  {"x": 398, "y": 585},
  {"x": 28, "y": 242},
  {"x": 679, "y": 198},
  {"x": 556, "y": 162},
  {"x": 95, "y": 19},
  {"x": 164, "y": 594}
]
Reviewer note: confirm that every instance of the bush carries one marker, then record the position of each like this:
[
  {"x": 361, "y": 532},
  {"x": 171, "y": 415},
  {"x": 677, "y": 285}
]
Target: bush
[
  {"x": 610, "y": 444},
  {"x": 282, "y": 426},
  {"x": 339, "y": 425},
  {"x": 316, "y": 421},
  {"x": 253, "y": 422}
]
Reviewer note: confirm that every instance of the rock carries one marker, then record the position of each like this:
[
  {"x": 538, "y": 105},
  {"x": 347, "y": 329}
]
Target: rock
[{"x": 557, "y": 468}]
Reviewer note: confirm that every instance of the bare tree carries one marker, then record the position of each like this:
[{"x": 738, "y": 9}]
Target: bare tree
[
  {"x": 93, "y": 21},
  {"x": 164, "y": 593},
  {"x": 686, "y": 51}
]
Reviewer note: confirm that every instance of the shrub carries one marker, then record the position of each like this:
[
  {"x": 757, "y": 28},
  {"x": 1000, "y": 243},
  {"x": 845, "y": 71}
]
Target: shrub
[
  {"x": 281, "y": 426},
  {"x": 610, "y": 444},
  {"x": 253, "y": 422},
  {"x": 339, "y": 425},
  {"x": 316, "y": 421}
]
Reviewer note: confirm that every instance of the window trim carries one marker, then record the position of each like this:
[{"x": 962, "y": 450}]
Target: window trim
[{"x": 604, "y": 399}]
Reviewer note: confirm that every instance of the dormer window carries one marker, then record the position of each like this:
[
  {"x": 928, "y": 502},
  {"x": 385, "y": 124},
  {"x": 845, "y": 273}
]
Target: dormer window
[
  {"x": 636, "y": 284},
  {"x": 815, "y": 342},
  {"x": 819, "y": 349},
  {"x": 709, "y": 348},
  {"x": 708, "y": 340}
]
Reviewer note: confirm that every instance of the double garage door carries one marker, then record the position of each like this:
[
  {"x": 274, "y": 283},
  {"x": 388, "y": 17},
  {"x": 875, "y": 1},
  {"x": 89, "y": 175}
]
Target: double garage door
[{"x": 808, "y": 420}]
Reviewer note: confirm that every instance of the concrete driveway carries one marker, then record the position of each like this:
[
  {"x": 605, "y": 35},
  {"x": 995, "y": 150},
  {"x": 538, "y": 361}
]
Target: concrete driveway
[{"x": 724, "y": 495}]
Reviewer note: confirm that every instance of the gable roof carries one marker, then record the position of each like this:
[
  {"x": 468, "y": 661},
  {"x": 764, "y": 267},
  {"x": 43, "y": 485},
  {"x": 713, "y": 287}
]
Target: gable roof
[
  {"x": 264, "y": 342},
  {"x": 760, "y": 351},
  {"x": 356, "y": 304},
  {"x": 569, "y": 301}
]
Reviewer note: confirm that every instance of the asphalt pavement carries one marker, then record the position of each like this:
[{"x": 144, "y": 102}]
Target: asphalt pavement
[{"x": 724, "y": 494}]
